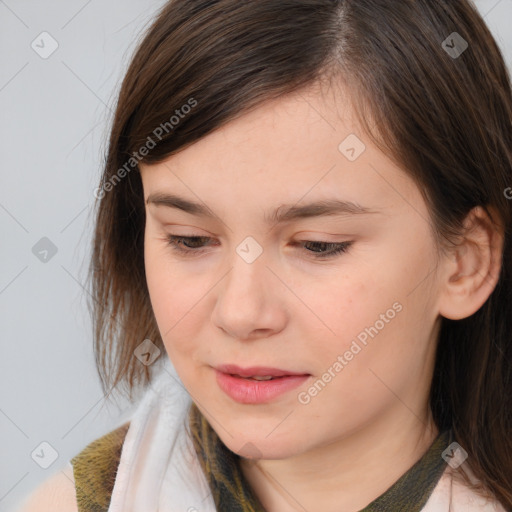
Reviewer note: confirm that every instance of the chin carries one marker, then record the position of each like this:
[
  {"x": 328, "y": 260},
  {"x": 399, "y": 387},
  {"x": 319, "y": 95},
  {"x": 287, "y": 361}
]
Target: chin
[{"x": 259, "y": 447}]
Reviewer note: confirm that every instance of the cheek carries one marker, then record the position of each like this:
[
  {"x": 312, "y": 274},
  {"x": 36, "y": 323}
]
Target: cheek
[
  {"x": 180, "y": 300},
  {"x": 170, "y": 292},
  {"x": 158, "y": 281},
  {"x": 346, "y": 304},
  {"x": 368, "y": 317}
]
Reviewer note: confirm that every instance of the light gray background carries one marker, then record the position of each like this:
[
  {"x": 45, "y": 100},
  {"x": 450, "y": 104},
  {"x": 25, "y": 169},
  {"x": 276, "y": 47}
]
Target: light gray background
[{"x": 54, "y": 120}]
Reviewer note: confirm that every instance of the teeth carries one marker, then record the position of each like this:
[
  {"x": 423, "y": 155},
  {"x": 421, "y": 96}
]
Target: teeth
[{"x": 260, "y": 377}]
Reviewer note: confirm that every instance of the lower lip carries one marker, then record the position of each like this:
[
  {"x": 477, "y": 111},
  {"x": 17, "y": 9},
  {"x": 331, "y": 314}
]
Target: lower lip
[{"x": 248, "y": 391}]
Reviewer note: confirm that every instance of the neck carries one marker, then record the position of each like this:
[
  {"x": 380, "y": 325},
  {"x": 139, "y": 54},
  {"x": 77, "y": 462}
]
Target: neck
[{"x": 346, "y": 474}]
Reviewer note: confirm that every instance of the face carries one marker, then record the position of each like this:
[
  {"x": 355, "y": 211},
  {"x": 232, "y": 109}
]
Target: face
[{"x": 359, "y": 324}]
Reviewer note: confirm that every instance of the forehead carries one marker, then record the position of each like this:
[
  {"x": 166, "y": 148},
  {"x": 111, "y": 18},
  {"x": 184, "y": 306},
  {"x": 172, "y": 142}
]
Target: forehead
[{"x": 286, "y": 150}]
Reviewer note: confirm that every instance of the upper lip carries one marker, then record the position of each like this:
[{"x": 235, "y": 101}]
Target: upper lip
[{"x": 259, "y": 371}]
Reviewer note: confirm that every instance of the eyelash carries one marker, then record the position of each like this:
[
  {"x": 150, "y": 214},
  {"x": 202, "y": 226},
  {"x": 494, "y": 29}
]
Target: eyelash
[{"x": 338, "y": 248}]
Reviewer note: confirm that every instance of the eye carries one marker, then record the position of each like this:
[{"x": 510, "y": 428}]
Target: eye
[
  {"x": 193, "y": 245},
  {"x": 186, "y": 244},
  {"x": 334, "y": 248}
]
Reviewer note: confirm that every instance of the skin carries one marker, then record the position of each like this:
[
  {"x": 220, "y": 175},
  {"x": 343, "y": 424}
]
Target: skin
[{"x": 288, "y": 310}]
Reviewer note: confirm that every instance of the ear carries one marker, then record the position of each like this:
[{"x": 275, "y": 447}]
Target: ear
[{"x": 472, "y": 268}]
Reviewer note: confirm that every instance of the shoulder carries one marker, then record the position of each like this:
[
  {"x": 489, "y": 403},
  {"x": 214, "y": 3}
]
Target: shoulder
[
  {"x": 87, "y": 482},
  {"x": 453, "y": 494},
  {"x": 95, "y": 469},
  {"x": 56, "y": 494}
]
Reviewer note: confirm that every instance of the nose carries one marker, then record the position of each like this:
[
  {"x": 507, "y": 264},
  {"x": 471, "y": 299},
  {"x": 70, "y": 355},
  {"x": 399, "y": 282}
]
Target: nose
[{"x": 249, "y": 301}]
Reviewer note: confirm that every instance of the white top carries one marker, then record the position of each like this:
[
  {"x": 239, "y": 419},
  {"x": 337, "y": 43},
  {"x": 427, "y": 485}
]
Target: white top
[{"x": 159, "y": 470}]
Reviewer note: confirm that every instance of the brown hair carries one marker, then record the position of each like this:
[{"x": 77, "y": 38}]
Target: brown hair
[{"x": 444, "y": 116}]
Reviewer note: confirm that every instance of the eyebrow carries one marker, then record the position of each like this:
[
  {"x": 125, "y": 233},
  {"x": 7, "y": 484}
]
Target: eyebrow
[{"x": 284, "y": 213}]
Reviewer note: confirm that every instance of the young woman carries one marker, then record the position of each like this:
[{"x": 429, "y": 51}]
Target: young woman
[{"x": 303, "y": 258}]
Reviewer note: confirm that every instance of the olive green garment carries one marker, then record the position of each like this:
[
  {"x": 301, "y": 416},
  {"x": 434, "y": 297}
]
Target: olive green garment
[{"x": 95, "y": 469}]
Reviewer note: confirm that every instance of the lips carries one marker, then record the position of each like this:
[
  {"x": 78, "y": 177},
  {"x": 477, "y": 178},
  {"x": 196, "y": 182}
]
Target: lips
[
  {"x": 250, "y": 390},
  {"x": 257, "y": 384},
  {"x": 256, "y": 371}
]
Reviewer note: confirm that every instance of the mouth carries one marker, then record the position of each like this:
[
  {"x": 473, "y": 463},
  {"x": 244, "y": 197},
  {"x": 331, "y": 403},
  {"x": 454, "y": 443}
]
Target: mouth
[
  {"x": 257, "y": 372},
  {"x": 257, "y": 384}
]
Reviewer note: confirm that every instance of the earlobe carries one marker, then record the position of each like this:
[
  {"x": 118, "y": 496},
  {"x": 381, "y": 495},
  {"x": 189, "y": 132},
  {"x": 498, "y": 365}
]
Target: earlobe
[{"x": 473, "y": 267}]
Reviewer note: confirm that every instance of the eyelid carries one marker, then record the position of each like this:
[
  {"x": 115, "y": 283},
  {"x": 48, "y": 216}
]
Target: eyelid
[
  {"x": 338, "y": 249},
  {"x": 299, "y": 237}
]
